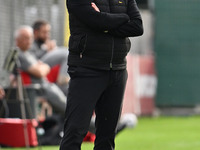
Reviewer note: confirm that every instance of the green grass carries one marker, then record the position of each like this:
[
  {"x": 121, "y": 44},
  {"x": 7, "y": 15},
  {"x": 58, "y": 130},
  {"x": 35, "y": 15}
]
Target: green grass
[{"x": 163, "y": 133}]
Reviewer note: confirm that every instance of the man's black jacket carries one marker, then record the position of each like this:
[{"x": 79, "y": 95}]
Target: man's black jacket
[{"x": 100, "y": 39}]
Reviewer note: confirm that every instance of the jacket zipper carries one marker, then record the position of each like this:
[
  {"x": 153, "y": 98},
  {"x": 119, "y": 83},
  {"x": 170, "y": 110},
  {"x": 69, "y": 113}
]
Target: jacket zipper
[
  {"x": 112, "y": 52},
  {"x": 81, "y": 53},
  {"x": 112, "y": 48}
]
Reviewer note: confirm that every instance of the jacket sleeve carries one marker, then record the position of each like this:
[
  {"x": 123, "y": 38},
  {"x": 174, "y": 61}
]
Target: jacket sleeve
[
  {"x": 132, "y": 28},
  {"x": 83, "y": 10}
]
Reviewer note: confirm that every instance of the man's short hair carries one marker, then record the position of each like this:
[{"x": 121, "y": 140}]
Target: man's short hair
[
  {"x": 23, "y": 27},
  {"x": 38, "y": 24}
]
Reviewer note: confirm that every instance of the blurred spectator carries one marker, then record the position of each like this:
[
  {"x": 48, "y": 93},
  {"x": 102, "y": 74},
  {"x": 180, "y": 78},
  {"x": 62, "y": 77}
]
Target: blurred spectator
[
  {"x": 47, "y": 51},
  {"x": 37, "y": 70},
  {"x": 2, "y": 93}
]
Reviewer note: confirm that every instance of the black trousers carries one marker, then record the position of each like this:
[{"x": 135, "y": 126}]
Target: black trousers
[{"x": 90, "y": 90}]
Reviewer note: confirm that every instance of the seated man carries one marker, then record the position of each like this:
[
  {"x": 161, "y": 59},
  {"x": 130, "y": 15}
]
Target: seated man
[
  {"x": 46, "y": 50},
  {"x": 37, "y": 69}
]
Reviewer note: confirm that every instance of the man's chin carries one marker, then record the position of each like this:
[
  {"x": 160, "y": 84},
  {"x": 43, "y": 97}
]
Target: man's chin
[{"x": 42, "y": 41}]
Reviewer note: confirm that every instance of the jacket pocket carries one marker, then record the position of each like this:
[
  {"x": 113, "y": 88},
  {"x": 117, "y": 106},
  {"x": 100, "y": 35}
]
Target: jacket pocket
[
  {"x": 82, "y": 45},
  {"x": 128, "y": 44},
  {"x": 77, "y": 43},
  {"x": 122, "y": 47}
]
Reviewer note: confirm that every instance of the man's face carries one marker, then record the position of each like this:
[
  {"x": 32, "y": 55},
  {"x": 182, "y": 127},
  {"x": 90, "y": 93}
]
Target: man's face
[
  {"x": 43, "y": 33},
  {"x": 25, "y": 40}
]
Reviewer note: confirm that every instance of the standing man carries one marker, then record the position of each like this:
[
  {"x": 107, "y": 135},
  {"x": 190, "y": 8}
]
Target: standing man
[{"x": 98, "y": 47}]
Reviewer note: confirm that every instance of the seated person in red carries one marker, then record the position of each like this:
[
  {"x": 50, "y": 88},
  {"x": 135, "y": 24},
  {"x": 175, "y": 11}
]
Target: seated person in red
[{"x": 37, "y": 70}]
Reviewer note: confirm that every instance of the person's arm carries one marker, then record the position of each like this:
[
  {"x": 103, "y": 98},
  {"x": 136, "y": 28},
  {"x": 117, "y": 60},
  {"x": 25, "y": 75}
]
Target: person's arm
[
  {"x": 102, "y": 21},
  {"x": 39, "y": 69},
  {"x": 132, "y": 28},
  {"x": 2, "y": 93},
  {"x": 32, "y": 66}
]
